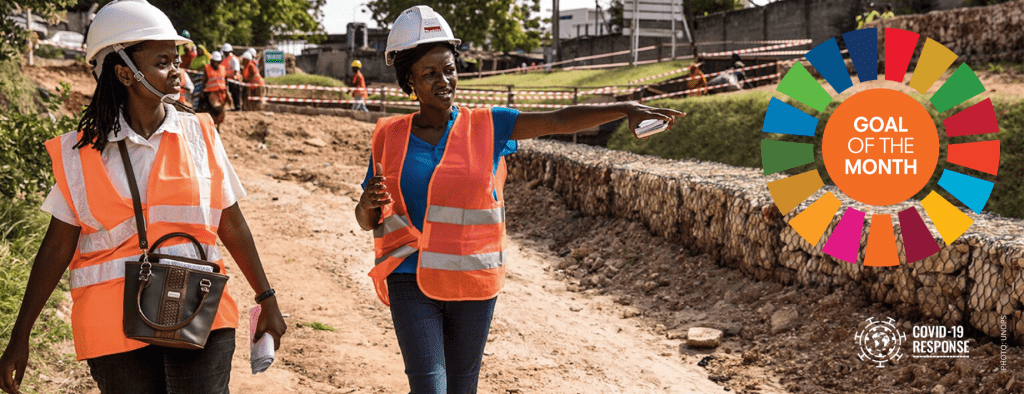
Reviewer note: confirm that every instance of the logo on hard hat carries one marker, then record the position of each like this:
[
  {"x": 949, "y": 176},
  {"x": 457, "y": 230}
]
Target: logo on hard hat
[{"x": 429, "y": 29}]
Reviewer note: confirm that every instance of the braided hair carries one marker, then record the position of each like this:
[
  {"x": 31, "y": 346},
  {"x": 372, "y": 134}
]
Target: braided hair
[
  {"x": 404, "y": 60},
  {"x": 108, "y": 100}
]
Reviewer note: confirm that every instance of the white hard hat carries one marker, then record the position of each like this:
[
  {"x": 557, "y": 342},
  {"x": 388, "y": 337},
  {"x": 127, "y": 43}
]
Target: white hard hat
[
  {"x": 226, "y": 48},
  {"x": 126, "y": 23},
  {"x": 247, "y": 55},
  {"x": 216, "y": 56},
  {"x": 251, "y": 50},
  {"x": 415, "y": 26}
]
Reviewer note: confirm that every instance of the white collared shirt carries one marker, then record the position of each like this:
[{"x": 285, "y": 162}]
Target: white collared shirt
[{"x": 142, "y": 153}]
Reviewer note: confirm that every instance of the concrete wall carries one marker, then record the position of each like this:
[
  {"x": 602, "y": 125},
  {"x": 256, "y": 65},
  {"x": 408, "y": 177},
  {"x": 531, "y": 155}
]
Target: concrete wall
[
  {"x": 728, "y": 213},
  {"x": 338, "y": 64}
]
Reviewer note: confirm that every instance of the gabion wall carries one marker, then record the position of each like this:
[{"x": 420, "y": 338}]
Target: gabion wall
[{"x": 728, "y": 213}]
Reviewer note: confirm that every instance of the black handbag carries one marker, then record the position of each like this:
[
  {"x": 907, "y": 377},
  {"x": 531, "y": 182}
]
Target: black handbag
[{"x": 167, "y": 303}]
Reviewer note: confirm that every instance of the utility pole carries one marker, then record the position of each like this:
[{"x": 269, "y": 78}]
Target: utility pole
[
  {"x": 556, "y": 19},
  {"x": 636, "y": 32},
  {"x": 597, "y": 18},
  {"x": 673, "y": 29}
]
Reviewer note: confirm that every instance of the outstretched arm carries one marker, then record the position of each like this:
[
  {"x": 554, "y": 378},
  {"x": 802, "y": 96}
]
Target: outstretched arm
[
  {"x": 54, "y": 256},
  {"x": 569, "y": 120}
]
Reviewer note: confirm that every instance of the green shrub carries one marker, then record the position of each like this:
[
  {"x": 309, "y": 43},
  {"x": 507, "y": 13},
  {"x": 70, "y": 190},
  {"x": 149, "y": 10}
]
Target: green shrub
[
  {"x": 727, "y": 129},
  {"x": 24, "y": 164},
  {"x": 49, "y": 52}
]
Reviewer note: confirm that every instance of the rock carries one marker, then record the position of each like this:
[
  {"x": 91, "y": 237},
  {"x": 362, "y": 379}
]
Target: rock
[
  {"x": 703, "y": 337},
  {"x": 575, "y": 308},
  {"x": 750, "y": 356},
  {"x": 938, "y": 389},
  {"x": 319, "y": 143},
  {"x": 660, "y": 328},
  {"x": 650, "y": 285},
  {"x": 676, "y": 334},
  {"x": 785, "y": 320},
  {"x": 630, "y": 312}
]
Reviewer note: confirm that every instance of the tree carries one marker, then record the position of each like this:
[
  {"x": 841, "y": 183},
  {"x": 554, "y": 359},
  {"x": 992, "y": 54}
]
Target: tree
[
  {"x": 616, "y": 17},
  {"x": 13, "y": 35},
  {"x": 702, "y": 7},
  {"x": 500, "y": 25},
  {"x": 243, "y": 22}
]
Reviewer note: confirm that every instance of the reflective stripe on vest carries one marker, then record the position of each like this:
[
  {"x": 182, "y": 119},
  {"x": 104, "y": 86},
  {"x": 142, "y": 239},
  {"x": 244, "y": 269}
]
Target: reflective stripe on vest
[
  {"x": 114, "y": 269},
  {"x": 453, "y": 262},
  {"x": 215, "y": 79},
  {"x": 462, "y": 248},
  {"x": 185, "y": 194},
  {"x": 467, "y": 217}
]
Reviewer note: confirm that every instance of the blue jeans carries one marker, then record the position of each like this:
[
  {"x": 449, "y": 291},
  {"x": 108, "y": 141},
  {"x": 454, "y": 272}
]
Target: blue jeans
[
  {"x": 161, "y": 370},
  {"x": 360, "y": 105},
  {"x": 442, "y": 342}
]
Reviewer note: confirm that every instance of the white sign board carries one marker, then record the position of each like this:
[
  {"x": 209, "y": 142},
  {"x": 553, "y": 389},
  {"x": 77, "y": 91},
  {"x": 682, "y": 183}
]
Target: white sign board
[{"x": 273, "y": 63}]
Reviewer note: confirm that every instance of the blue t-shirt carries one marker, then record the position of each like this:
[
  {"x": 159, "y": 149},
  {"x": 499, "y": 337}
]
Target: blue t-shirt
[{"x": 421, "y": 159}]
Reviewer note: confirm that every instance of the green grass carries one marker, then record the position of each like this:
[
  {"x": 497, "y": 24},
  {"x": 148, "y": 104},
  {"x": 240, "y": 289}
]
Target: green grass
[
  {"x": 318, "y": 326},
  {"x": 580, "y": 78},
  {"x": 305, "y": 79},
  {"x": 727, "y": 129}
]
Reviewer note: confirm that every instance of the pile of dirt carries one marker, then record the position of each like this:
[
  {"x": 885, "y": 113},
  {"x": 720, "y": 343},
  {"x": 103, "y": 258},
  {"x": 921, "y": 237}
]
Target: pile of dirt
[
  {"x": 319, "y": 151},
  {"x": 805, "y": 336}
]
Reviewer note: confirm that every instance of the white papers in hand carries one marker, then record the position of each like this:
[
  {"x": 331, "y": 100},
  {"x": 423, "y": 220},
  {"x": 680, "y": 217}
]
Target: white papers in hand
[{"x": 261, "y": 352}]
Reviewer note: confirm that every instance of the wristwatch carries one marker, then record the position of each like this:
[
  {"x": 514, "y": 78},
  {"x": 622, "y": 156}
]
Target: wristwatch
[{"x": 265, "y": 295}]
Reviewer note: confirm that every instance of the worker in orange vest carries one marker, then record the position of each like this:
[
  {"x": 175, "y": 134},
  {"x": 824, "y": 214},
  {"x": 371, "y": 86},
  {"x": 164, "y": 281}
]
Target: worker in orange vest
[
  {"x": 186, "y": 183},
  {"x": 434, "y": 198},
  {"x": 251, "y": 76},
  {"x": 234, "y": 73},
  {"x": 215, "y": 88},
  {"x": 359, "y": 83}
]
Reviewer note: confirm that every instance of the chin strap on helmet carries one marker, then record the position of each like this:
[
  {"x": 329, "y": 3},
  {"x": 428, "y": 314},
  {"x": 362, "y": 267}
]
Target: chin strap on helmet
[{"x": 169, "y": 98}]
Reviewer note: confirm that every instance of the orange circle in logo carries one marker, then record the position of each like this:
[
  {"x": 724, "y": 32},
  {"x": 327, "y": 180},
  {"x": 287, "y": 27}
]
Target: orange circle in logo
[{"x": 880, "y": 147}]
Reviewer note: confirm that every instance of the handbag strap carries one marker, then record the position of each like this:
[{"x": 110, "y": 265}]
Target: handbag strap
[{"x": 140, "y": 221}]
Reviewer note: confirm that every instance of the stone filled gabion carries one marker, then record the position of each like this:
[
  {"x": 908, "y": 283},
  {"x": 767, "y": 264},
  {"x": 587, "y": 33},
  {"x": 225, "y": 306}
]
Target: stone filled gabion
[{"x": 728, "y": 213}]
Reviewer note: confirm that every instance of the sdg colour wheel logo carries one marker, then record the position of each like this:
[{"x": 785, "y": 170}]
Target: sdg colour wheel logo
[{"x": 881, "y": 147}]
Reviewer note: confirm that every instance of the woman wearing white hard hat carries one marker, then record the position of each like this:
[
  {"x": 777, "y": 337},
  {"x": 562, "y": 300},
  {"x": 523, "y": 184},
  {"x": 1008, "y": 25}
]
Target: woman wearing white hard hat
[
  {"x": 251, "y": 76},
  {"x": 434, "y": 197},
  {"x": 133, "y": 149}
]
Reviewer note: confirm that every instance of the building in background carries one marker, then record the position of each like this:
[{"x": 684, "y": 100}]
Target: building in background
[{"x": 582, "y": 22}]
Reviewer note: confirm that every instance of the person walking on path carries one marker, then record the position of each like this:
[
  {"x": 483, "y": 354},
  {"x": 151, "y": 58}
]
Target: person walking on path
[
  {"x": 187, "y": 184},
  {"x": 433, "y": 196},
  {"x": 187, "y": 51},
  {"x": 233, "y": 67},
  {"x": 359, "y": 93},
  {"x": 215, "y": 88},
  {"x": 251, "y": 76}
]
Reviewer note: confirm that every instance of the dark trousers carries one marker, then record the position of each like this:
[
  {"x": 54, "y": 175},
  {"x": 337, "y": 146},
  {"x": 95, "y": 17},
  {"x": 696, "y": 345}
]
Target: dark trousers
[
  {"x": 161, "y": 370},
  {"x": 442, "y": 342},
  {"x": 236, "y": 94}
]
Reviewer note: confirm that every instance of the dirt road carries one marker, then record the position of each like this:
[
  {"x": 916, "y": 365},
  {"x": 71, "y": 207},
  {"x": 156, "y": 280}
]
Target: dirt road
[{"x": 543, "y": 338}]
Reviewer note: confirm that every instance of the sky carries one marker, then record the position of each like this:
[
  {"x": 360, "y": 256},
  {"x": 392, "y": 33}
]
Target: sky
[{"x": 338, "y": 13}]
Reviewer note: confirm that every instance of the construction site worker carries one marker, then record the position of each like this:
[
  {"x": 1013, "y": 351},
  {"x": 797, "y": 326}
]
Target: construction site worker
[
  {"x": 234, "y": 73},
  {"x": 215, "y": 88},
  {"x": 359, "y": 93},
  {"x": 251, "y": 76},
  {"x": 186, "y": 182},
  {"x": 888, "y": 12},
  {"x": 869, "y": 16},
  {"x": 202, "y": 58},
  {"x": 187, "y": 51},
  {"x": 433, "y": 196}
]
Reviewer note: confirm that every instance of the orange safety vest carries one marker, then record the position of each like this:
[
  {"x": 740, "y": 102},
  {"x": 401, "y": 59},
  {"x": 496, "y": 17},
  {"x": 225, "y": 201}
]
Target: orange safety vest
[
  {"x": 251, "y": 74},
  {"x": 215, "y": 79},
  {"x": 184, "y": 195},
  {"x": 230, "y": 71},
  {"x": 462, "y": 248}
]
